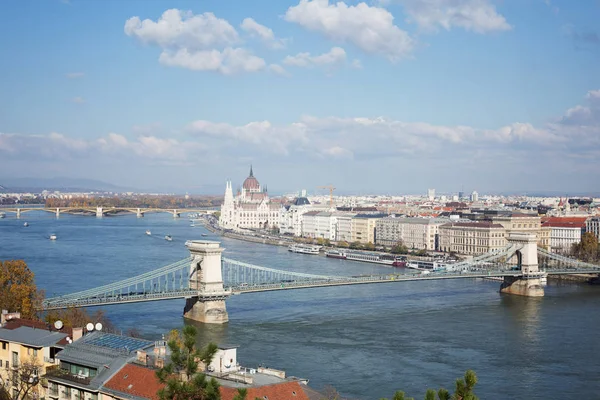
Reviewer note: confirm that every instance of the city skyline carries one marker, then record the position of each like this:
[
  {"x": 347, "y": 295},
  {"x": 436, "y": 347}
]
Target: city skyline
[{"x": 389, "y": 96}]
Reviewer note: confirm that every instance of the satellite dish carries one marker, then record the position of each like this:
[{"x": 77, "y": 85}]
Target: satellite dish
[
  {"x": 58, "y": 324},
  {"x": 69, "y": 340},
  {"x": 89, "y": 327},
  {"x": 98, "y": 326}
]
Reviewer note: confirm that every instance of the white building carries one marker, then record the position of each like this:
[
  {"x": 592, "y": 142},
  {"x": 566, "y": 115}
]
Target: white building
[
  {"x": 474, "y": 196},
  {"x": 319, "y": 224},
  {"x": 593, "y": 225},
  {"x": 564, "y": 232},
  {"x": 290, "y": 222},
  {"x": 344, "y": 227},
  {"x": 431, "y": 194},
  {"x": 415, "y": 233},
  {"x": 251, "y": 208}
]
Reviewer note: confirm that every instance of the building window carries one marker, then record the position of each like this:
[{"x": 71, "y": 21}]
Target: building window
[
  {"x": 4, "y": 345},
  {"x": 35, "y": 352}
]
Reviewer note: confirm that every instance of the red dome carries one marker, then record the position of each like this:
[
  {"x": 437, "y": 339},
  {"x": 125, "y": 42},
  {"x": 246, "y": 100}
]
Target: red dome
[{"x": 251, "y": 183}]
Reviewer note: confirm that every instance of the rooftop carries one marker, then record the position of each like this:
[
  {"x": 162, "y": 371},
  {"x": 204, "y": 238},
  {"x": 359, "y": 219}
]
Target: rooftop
[
  {"x": 31, "y": 336},
  {"x": 481, "y": 224}
]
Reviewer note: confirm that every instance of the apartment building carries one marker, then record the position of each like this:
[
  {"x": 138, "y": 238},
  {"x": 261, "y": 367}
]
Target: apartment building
[
  {"x": 319, "y": 224},
  {"x": 363, "y": 227},
  {"x": 344, "y": 227},
  {"x": 593, "y": 225},
  {"x": 27, "y": 350},
  {"x": 564, "y": 232},
  {"x": 415, "y": 233},
  {"x": 472, "y": 238}
]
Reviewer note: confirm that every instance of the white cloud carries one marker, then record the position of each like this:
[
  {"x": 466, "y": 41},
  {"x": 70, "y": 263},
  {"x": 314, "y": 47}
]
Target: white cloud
[
  {"x": 78, "y": 100},
  {"x": 178, "y": 29},
  {"x": 75, "y": 75},
  {"x": 229, "y": 61},
  {"x": 472, "y": 15},
  {"x": 278, "y": 69},
  {"x": 261, "y": 133},
  {"x": 370, "y": 28},
  {"x": 59, "y": 146},
  {"x": 356, "y": 63},
  {"x": 335, "y": 56},
  {"x": 198, "y": 42},
  {"x": 264, "y": 33}
]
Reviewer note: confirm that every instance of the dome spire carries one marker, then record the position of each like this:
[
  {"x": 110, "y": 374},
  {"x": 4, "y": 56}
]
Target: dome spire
[{"x": 251, "y": 173}]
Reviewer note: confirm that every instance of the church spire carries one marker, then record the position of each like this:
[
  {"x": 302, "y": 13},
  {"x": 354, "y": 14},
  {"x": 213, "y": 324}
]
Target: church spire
[{"x": 251, "y": 173}]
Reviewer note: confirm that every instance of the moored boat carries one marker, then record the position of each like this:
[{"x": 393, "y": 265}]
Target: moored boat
[
  {"x": 375, "y": 258},
  {"x": 304, "y": 249}
]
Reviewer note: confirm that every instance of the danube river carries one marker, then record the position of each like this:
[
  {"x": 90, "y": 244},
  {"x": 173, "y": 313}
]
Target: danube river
[{"x": 365, "y": 340}]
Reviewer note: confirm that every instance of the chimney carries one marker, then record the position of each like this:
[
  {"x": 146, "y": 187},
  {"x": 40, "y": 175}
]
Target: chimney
[
  {"x": 141, "y": 357},
  {"x": 160, "y": 348},
  {"x": 77, "y": 333},
  {"x": 6, "y": 316}
]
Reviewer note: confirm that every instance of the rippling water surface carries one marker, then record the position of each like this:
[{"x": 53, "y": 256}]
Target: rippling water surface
[{"x": 366, "y": 340}]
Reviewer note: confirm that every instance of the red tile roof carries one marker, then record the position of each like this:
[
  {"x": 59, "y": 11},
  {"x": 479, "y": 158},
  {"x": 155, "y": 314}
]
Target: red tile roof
[
  {"x": 280, "y": 391},
  {"x": 139, "y": 381}
]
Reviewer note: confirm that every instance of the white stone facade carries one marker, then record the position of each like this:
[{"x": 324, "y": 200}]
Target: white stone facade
[
  {"x": 414, "y": 233},
  {"x": 319, "y": 225},
  {"x": 251, "y": 208}
]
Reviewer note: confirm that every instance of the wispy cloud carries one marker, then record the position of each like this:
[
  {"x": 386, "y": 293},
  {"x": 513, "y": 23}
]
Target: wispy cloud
[{"x": 75, "y": 75}]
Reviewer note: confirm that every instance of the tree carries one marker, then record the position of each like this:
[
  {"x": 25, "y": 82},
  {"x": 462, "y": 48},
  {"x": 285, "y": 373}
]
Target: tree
[
  {"x": 20, "y": 383},
  {"x": 18, "y": 291},
  {"x": 463, "y": 390},
  {"x": 343, "y": 244},
  {"x": 78, "y": 317},
  {"x": 355, "y": 245},
  {"x": 181, "y": 377},
  {"x": 587, "y": 249},
  {"x": 241, "y": 394},
  {"x": 399, "y": 248},
  {"x": 369, "y": 246}
]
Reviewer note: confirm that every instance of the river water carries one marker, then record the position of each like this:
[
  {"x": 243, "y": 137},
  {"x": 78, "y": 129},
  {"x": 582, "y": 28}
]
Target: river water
[{"x": 365, "y": 340}]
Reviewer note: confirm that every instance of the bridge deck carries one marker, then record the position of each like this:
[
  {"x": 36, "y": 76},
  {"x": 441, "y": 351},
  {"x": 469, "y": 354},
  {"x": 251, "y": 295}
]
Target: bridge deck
[{"x": 242, "y": 289}]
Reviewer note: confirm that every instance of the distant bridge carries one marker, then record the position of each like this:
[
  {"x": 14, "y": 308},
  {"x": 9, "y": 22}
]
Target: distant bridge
[
  {"x": 101, "y": 211},
  {"x": 206, "y": 280}
]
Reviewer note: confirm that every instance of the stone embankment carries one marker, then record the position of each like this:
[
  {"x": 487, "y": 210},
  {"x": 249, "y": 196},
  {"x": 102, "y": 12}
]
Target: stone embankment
[
  {"x": 246, "y": 238},
  {"x": 583, "y": 278}
]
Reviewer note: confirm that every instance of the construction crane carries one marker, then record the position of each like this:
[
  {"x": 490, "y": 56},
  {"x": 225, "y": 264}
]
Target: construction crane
[{"x": 331, "y": 189}]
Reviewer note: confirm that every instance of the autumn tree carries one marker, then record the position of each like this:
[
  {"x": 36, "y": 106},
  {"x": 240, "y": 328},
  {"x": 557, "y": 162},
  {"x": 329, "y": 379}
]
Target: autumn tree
[
  {"x": 587, "y": 249},
  {"x": 21, "y": 381},
  {"x": 18, "y": 291},
  {"x": 78, "y": 317},
  {"x": 182, "y": 377},
  {"x": 399, "y": 248}
]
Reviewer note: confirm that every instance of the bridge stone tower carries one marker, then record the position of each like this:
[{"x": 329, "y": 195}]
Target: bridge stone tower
[
  {"x": 529, "y": 283},
  {"x": 206, "y": 277}
]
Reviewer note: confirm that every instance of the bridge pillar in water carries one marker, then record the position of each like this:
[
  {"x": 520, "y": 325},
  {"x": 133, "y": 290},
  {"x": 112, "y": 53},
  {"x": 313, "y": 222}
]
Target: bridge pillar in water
[
  {"x": 139, "y": 213},
  {"x": 57, "y": 212},
  {"x": 528, "y": 284},
  {"x": 206, "y": 277},
  {"x": 176, "y": 214},
  {"x": 99, "y": 212},
  {"x": 18, "y": 213}
]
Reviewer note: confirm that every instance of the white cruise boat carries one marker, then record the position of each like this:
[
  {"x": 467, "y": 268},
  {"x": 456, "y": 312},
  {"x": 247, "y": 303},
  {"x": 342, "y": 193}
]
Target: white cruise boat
[
  {"x": 375, "y": 258},
  {"x": 304, "y": 248},
  {"x": 431, "y": 266}
]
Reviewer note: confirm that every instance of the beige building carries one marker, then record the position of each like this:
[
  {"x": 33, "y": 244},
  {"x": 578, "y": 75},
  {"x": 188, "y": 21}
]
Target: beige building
[
  {"x": 520, "y": 222},
  {"x": 414, "y": 233},
  {"x": 472, "y": 238},
  {"x": 363, "y": 227},
  {"x": 27, "y": 350}
]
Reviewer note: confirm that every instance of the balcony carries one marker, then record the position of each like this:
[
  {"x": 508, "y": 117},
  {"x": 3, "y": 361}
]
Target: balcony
[
  {"x": 49, "y": 360},
  {"x": 63, "y": 374}
]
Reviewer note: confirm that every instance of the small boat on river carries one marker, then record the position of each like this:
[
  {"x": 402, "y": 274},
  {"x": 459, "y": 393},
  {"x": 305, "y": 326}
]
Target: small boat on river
[
  {"x": 168, "y": 238},
  {"x": 26, "y": 224},
  {"x": 148, "y": 232},
  {"x": 53, "y": 237}
]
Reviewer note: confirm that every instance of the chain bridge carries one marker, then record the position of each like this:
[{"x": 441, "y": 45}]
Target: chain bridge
[{"x": 205, "y": 279}]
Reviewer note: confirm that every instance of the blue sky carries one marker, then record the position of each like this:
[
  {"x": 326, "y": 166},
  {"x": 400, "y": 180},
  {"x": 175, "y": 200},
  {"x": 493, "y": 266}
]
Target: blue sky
[{"x": 388, "y": 96}]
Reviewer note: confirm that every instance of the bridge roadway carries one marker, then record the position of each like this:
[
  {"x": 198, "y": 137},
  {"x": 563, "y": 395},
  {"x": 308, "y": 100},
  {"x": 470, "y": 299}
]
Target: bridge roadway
[
  {"x": 19, "y": 209},
  {"x": 267, "y": 287}
]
